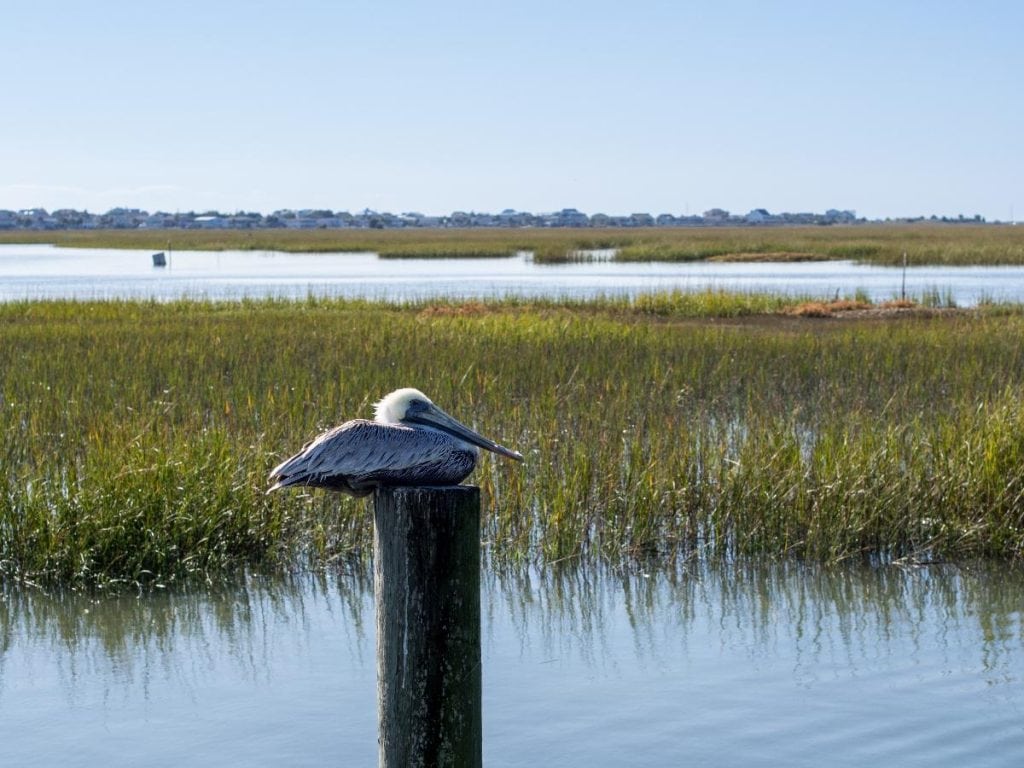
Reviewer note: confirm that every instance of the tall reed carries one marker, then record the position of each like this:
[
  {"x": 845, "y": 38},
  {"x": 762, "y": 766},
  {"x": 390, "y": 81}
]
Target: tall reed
[{"x": 135, "y": 437}]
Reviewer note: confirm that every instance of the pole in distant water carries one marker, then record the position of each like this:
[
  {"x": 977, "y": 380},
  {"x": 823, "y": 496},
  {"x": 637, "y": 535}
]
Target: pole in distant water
[{"x": 903, "y": 287}]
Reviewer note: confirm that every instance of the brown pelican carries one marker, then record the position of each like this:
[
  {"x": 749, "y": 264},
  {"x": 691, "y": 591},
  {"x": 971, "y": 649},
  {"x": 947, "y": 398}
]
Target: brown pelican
[{"x": 410, "y": 442}]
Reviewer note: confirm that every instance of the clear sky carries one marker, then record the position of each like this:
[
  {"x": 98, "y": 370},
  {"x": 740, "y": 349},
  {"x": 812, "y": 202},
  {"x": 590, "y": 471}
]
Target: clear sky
[{"x": 889, "y": 108}]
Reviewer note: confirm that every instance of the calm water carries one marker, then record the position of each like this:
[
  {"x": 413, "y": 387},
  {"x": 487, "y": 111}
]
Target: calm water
[
  {"x": 43, "y": 271},
  {"x": 740, "y": 666}
]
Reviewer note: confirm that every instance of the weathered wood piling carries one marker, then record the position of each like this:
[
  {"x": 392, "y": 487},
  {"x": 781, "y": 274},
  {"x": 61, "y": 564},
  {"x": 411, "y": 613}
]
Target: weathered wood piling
[{"x": 426, "y": 547}]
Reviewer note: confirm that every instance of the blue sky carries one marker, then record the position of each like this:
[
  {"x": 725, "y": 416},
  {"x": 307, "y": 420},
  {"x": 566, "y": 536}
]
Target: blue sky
[{"x": 889, "y": 108}]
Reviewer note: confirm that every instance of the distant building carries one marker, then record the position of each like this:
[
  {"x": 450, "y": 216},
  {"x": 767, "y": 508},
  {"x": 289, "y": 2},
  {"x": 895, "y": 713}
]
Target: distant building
[
  {"x": 833, "y": 216},
  {"x": 320, "y": 218},
  {"x": 157, "y": 221},
  {"x": 123, "y": 218},
  {"x": 570, "y": 217}
]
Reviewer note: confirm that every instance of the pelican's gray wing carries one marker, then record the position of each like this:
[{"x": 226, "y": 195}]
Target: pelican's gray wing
[{"x": 361, "y": 454}]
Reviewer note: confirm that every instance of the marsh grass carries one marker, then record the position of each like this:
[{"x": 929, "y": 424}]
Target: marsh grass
[
  {"x": 135, "y": 437},
  {"x": 885, "y": 244}
]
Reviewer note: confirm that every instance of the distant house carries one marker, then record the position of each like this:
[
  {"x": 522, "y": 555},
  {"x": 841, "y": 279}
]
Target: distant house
[
  {"x": 123, "y": 218},
  {"x": 570, "y": 217},
  {"x": 68, "y": 218},
  {"x": 800, "y": 218},
  {"x": 8, "y": 219},
  {"x": 757, "y": 216},
  {"x": 641, "y": 220},
  {"x": 483, "y": 220},
  {"x": 37, "y": 218},
  {"x": 513, "y": 218},
  {"x": 834, "y": 216},
  {"x": 716, "y": 216},
  {"x": 300, "y": 223},
  {"x": 244, "y": 221},
  {"x": 157, "y": 220},
  {"x": 33, "y": 218}
]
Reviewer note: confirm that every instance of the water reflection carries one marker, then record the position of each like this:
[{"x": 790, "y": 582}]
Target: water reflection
[
  {"x": 845, "y": 614},
  {"x": 48, "y": 272},
  {"x": 178, "y": 636},
  {"x": 592, "y": 664}
]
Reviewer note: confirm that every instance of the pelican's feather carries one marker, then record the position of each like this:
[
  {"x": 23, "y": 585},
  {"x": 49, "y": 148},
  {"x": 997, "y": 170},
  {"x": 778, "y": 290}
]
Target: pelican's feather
[{"x": 359, "y": 455}]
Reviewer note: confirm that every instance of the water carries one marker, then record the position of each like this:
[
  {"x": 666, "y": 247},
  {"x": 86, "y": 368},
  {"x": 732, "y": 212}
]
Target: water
[
  {"x": 775, "y": 664},
  {"x": 44, "y": 271}
]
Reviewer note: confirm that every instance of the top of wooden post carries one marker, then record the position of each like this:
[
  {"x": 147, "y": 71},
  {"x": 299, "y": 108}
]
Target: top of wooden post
[{"x": 413, "y": 494}]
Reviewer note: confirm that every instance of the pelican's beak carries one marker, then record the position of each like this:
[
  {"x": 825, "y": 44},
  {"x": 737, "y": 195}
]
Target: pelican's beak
[{"x": 434, "y": 417}]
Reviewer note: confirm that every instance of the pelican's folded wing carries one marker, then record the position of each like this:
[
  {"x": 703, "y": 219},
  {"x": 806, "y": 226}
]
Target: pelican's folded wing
[{"x": 360, "y": 454}]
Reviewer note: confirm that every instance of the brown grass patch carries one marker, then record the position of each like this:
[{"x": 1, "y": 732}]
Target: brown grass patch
[
  {"x": 898, "y": 304},
  {"x": 810, "y": 309},
  {"x": 827, "y": 308},
  {"x": 848, "y": 305}
]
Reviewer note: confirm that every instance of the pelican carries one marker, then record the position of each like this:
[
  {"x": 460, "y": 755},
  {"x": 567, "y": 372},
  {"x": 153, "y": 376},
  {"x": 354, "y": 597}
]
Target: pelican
[{"x": 409, "y": 442}]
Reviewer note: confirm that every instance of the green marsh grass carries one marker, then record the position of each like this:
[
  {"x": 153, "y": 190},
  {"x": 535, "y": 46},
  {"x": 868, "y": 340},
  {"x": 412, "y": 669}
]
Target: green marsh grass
[
  {"x": 135, "y": 437},
  {"x": 948, "y": 244}
]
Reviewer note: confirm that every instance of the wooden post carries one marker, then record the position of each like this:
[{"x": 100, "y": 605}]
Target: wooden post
[{"x": 426, "y": 579}]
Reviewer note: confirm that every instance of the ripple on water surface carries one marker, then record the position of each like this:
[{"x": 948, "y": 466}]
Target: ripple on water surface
[{"x": 760, "y": 665}]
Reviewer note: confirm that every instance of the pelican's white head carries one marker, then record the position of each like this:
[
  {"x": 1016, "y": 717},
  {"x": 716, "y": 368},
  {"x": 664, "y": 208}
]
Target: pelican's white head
[
  {"x": 412, "y": 408},
  {"x": 393, "y": 408}
]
